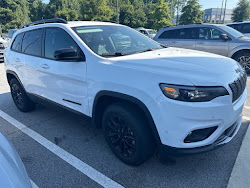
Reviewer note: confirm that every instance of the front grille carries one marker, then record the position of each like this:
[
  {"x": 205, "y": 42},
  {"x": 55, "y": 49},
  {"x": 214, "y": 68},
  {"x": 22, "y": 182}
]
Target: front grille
[{"x": 238, "y": 86}]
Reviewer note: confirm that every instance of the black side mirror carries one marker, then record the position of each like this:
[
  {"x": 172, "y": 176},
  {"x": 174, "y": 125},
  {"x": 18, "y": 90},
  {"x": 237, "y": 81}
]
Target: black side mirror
[
  {"x": 67, "y": 54},
  {"x": 224, "y": 37}
]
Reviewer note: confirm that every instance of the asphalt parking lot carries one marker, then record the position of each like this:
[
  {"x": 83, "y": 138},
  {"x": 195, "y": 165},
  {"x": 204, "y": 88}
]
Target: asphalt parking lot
[{"x": 62, "y": 149}]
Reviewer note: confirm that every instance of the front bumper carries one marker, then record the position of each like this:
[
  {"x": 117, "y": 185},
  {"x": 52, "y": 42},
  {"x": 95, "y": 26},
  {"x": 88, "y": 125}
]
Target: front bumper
[{"x": 174, "y": 121}]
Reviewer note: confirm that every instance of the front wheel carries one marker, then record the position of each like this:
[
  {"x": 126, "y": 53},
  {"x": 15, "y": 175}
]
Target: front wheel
[
  {"x": 20, "y": 98},
  {"x": 244, "y": 59},
  {"x": 127, "y": 133}
]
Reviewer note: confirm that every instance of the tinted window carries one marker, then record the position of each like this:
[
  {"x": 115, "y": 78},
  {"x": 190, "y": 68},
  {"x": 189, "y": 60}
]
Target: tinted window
[
  {"x": 17, "y": 43},
  {"x": 209, "y": 34},
  {"x": 246, "y": 28},
  {"x": 187, "y": 33},
  {"x": 56, "y": 39},
  {"x": 32, "y": 42},
  {"x": 171, "y": 34}
]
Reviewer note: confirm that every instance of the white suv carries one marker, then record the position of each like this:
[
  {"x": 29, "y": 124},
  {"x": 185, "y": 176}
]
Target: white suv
[{"x": 143, "y": 95}]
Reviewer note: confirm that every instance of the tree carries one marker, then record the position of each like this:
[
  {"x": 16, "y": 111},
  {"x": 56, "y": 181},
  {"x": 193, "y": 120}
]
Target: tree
[
  {"x": 13, "y": 14},
  {"x": 132, "y": 13},
  {"x": 242, "y": 11},
  {"x": 95, "y": 10},
  {"x": 158, "y": 15},
  {"x": 36, "y": 8},
  {"x": 67, "y": 14},
  {"x": 191, "y": 13}
]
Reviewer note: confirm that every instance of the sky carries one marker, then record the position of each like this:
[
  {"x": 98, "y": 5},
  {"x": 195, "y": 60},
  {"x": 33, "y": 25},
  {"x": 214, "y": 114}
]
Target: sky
[{"x": 207, "y": 3}]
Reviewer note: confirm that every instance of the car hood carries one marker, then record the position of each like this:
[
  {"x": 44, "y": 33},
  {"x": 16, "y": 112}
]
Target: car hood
[
  {"x": 197, "y": 67},
  {"x": 12, "y": 171}
]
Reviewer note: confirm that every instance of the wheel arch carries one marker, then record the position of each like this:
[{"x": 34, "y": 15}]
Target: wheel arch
[
  {"x": 236, "y": 52},
  {"x": 105, "y": 98},
  {"x": 10, "y": 75}
]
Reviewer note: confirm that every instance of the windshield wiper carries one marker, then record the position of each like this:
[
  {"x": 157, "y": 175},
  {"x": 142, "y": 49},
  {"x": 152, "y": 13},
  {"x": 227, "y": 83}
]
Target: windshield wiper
[
  {"x": 148, "y": 50},
  {"x": 113, "y": 54}
]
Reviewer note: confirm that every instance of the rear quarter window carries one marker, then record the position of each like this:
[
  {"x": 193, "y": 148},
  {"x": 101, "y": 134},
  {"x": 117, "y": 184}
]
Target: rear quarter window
[{"x": 16, "y": 45}]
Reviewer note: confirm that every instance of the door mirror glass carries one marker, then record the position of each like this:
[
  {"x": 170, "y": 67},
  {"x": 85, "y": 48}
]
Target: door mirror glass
[
  {"x": 224, "y": 37},
  {"x": 66, "y": 54}
]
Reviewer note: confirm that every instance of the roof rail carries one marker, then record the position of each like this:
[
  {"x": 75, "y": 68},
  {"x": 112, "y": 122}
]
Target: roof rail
[{"x": 54, "y": 20}]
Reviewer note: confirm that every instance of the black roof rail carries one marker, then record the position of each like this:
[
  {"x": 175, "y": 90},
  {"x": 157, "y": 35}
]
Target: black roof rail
[{"x": 54, "y": 20}]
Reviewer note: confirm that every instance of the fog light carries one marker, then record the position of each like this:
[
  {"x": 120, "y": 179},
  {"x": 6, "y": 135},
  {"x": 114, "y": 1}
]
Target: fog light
[{"x": 200, "y": 134}]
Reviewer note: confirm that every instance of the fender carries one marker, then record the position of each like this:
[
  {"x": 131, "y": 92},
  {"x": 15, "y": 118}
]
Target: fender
[
  {"x": 14, "y": 75},
  {"x": 124, "y": 97},
  {"x": 238, "y": 48}
]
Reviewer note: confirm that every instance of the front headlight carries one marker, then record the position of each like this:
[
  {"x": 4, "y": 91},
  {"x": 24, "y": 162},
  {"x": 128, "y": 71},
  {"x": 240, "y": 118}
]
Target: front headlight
[{"x": 192, "y": 93}]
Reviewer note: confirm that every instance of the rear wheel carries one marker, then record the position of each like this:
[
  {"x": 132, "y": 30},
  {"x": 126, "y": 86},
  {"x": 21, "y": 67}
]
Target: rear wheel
[
  {"x": 244, "y": 59},
  {"x": 127, "y": 133},
  {"x": 19, "y": 96}
]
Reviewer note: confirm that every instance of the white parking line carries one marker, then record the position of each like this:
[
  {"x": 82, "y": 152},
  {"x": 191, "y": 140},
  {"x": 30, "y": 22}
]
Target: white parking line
[
  {"x": 33, "y": 185},
  {"x": 93, "y": 174}
]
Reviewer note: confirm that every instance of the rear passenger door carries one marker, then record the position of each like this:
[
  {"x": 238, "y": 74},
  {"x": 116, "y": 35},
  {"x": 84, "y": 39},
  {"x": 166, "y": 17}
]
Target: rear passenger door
[
  {"x": 32, "y": 56},
  {"x": 63, "y": 81},
  {"x": 181, "y": 38},
  {"x": 209, "y": 41}
]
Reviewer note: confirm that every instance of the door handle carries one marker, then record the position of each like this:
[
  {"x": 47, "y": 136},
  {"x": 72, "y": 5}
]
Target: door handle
[
  {"x": 200, "y": 42},
  {"x": 45, "y": 66},
  {"x": 17, "y": 60},
  {"x": 173, "y": 42}
]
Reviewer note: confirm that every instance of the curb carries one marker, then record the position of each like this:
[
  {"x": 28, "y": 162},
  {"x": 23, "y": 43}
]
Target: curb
[{"x": 240, "y": 176}]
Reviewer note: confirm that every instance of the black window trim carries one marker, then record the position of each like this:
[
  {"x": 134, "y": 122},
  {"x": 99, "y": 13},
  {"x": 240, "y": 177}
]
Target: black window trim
[
  {"x": 21, "y": 42},
  {"x": 43, "y": 44},
  {"x": 43, "y": 50}
]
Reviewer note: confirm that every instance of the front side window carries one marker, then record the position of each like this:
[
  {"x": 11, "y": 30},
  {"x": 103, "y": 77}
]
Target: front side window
[
  {"x": 209, "y": 33},
  {"x": 112, "y": 40},
  {"x": 32, "y": 42},
  {"x": 16, "y": 45},
  {"x": 56, "y": 39}
]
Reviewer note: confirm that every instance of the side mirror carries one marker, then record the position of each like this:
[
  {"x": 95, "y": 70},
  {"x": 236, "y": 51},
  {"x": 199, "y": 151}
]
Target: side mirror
[
  {"x": 67, "y": 54},
  {"x": 224, "y": 37}
]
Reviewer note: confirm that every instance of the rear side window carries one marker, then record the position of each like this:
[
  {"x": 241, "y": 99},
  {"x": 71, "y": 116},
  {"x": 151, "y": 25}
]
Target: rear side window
[
  {"x": 170, "y": 34},
  {"x": 56, "y": 39},
  {"x": 187, "y": 33},
  {"x": 32, "y": 42},
  {"x": 16, "y": 45},
  {"x": 246, "y": 28}
]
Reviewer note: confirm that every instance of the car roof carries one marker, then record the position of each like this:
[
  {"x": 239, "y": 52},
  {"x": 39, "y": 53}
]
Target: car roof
[
  {"x": 243, "y": 22},
  {"x": 190, "y": 26},
  {"x": 68, "y": 24}
]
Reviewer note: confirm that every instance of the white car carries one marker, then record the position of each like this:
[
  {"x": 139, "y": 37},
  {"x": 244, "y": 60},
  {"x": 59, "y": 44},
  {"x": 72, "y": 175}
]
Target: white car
[
  {"x": 12, "y": 170},
  {"x": 148, "y": 32},
  {"x": 3, "y": 45},
  {"x": 143, "y": 95}
]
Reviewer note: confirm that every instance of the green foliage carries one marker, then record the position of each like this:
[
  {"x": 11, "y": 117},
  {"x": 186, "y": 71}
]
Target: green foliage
[
  {"x": 67, "y": 14},
  {"x": 13, "y": 13},
  {"x": 158, "y": 15},
  {"x": 95, "y": 10},
  {"x": 36, "y": 8},
  {"x": 242, "y": 11},
  {"x": 191, "y": 13}
]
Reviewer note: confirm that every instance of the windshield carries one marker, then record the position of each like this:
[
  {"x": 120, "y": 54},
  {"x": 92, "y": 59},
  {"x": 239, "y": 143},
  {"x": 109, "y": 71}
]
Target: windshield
[
  {"x": 232, "y": 31},
  {"x": 113, "y": 40}
]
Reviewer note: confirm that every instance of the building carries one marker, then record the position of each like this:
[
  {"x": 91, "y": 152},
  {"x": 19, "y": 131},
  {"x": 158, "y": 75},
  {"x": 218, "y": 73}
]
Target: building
[{"x": 216, "y": 15}]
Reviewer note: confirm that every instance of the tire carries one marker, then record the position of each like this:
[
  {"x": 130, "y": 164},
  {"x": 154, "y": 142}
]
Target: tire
[
  {"x": 20, "y": 98},
  {"x": 244, "y": 59},
  {"x": 128, "y": 134}
]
